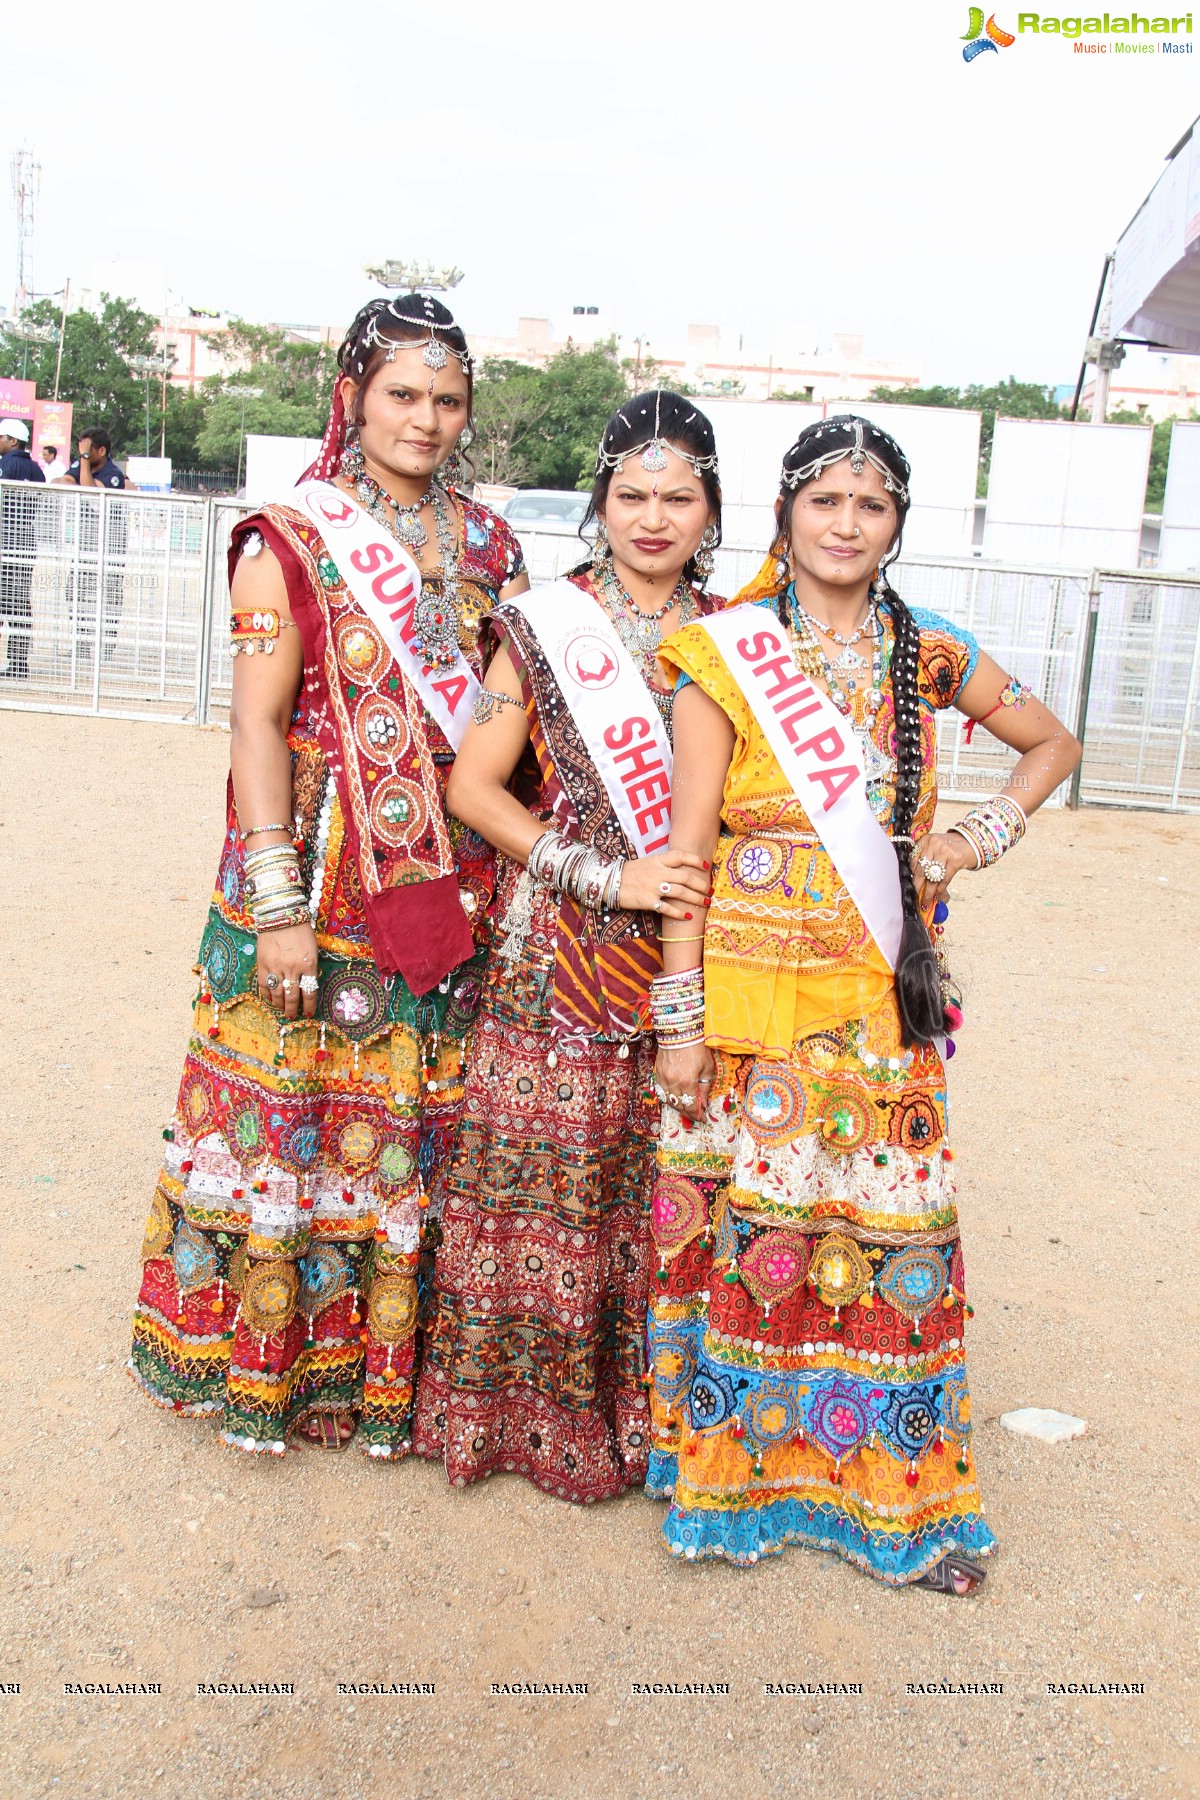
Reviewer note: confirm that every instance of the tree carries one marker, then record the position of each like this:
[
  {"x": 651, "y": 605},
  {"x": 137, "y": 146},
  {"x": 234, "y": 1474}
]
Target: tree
[
  {"x": 581, "y": 389},
  {"x": 286, "y": 368},
  {"x": 1160, "y": 453},
  {"x": 1011, "y": 399},
  {"x": 295, "y": 378},
  {"x": 509, "y": 409},
  {"x": 95, "y": 373}
]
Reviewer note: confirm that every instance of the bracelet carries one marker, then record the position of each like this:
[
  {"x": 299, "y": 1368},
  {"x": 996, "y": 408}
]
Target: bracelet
[
  {"x": 692, "y": 937},
  {"x": 298, "y": 916},
  {"x": 257, "y": 830},
  {"x": 677, "y": 1007},
  {"x": 577, "y": 870},
  {"x": 992, "y": 829}
]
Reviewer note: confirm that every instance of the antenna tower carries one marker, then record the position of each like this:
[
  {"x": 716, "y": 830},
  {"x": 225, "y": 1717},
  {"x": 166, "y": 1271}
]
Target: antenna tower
[{"x": 26, "y": 180}]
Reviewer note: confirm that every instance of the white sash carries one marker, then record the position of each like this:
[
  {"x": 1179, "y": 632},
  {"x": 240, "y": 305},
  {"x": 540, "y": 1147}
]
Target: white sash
[
  {"x": 821, "y": 757},
  {"x": 611, "y": 704},
  {"x": 386, "y": 583}
]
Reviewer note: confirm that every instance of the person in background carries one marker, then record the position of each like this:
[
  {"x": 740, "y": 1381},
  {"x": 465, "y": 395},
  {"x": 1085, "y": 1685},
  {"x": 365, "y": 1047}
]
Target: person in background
[
  {"x": 95, "y": 468},
  {"x": 16, "y": 547}
]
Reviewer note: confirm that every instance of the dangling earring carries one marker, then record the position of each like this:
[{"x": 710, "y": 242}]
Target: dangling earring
[
  {"x": 351, "y": 462},
  {"x": 879, "y": 587},
  {"x": 451, "y": 472},
  {"x": 703, "y": 562},
  {"x": 601, "y": 549},
  {"x": 782, "y": 572}
]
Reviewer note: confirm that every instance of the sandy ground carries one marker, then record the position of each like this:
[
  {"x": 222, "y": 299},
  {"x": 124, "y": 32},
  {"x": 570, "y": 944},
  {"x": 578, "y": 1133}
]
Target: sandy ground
[{"x": 136, "y": 1548}]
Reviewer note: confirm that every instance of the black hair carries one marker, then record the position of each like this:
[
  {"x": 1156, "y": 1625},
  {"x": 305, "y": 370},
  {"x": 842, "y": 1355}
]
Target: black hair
[
  {"x": 98, "y": 438},
  {"x": 918, "y": 985},
  {"x": 404, "y": 319},
  {"x": 679, "y": 421}
]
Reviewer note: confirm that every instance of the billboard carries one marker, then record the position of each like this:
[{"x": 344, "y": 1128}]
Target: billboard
[
  {"x": 17, "y": 400},
  {"x": 1066, "y": 494},
  {"x": 52, "y": 436}
]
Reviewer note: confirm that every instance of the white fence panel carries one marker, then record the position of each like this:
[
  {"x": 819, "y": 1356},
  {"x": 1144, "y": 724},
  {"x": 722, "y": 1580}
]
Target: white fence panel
[{"x": 118, "y": 604}]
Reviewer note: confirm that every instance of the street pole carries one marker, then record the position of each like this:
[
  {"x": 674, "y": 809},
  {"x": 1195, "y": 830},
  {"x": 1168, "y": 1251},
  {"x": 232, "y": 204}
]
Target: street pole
[
  {"x": 241, "y": 447},
  {"x": 62, "y": 332}
]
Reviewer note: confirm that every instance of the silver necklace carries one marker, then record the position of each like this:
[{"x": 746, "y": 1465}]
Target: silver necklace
[
  {"x": 878, "y": 766},
  {"x": 849, "y": 663},
  {"x": 436, "y": 615},
  {"x": 405, "y": 522},
  {"x": 639, "y": 631}
]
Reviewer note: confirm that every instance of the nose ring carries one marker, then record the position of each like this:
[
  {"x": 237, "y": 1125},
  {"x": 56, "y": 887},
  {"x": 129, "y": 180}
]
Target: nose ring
[{"x": 857, "y": 532}]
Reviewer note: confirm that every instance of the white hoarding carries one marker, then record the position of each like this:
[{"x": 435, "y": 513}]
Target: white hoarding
[
  {"x": 941, "y": 444},
  {"x": 752, "y": 436},
  {"x": 275, "y": 464},
  {"x": 1179, "y": 543},
  {"x": 1066, "y": 494}
]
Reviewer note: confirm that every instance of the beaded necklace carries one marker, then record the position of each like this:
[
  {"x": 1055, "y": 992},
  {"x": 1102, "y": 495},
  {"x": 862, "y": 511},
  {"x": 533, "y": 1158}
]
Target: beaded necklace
[{"x": 879, "y": 767}]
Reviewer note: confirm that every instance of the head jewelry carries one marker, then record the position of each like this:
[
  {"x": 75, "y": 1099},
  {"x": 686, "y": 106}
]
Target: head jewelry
[
  {"x": 652, "y": 452},
  {"x": 370, "y": 331},
  {"x": 842, "y": 436}
]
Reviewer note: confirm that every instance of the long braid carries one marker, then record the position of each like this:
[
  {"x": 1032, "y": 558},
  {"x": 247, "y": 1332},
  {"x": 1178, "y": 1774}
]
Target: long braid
[{"x": 918, "y": 986}]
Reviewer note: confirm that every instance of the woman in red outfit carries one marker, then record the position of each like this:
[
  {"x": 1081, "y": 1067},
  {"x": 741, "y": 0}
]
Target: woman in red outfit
[
  {"x": 536, "y": 1355},
  {"x": 340, "y": 966}
]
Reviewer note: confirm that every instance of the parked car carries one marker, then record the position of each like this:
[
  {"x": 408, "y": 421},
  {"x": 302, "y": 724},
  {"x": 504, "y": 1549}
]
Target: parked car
[{"x": 546, "y": 509}]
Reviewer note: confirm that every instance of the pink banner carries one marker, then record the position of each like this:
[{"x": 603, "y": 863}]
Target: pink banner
[
  {"x": 17, "y": 399},
  {"x": 52, "y": 436}
]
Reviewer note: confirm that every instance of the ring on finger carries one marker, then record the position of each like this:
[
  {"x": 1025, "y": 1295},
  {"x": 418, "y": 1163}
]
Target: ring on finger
[
  {"x": 271, "y": 981},
  {"x": 309, "y": 984},
  {"x": 933, "y": 870},
  {"x": 288, "y": 986},
  {"x": 665, "y": 888}
]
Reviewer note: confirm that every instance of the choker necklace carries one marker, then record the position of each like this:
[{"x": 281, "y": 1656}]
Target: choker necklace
[
  {"x": 405, "y": 522},
  {"x": 639, "y": 631}
]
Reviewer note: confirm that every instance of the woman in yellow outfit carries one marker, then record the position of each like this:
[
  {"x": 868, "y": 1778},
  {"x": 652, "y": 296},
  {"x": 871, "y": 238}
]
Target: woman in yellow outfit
[{"x": 806, "y": 1338}]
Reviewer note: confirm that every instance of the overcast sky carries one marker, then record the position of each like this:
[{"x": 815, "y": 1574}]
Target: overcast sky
[{"x": 783, "y": 170}]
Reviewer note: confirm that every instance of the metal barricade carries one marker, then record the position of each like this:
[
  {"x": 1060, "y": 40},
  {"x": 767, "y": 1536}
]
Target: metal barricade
[
  {"x": 1142, "y": 746},
  {"x": 102, "y": 600},
  {"x": 122, "y": 601}
]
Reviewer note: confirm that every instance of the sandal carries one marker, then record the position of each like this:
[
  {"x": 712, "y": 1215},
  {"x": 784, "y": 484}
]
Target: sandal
[
  {"x": 328, "y": 1431},
  {"x": 946, "y": 1576}
]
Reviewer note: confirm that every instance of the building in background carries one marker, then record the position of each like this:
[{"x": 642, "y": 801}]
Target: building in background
[{"x": 708, "y": 363}]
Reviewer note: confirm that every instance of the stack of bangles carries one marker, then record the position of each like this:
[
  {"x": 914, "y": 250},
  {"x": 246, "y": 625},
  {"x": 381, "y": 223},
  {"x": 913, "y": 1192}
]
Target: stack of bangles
[
  {"x": 677, "y": 1008},
  {"x": 992, "y": 829},
  {"x": 575, "y": 869},
  {"x": 274, "y": 891}
]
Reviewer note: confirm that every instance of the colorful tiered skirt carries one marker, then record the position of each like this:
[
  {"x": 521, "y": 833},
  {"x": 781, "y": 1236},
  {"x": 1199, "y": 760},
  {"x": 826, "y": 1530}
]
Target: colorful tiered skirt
[
  {"x": 806, "y": 1334},
  {"x": 282, "y": 1248},
  {"x": 534, "y": 1358}
]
